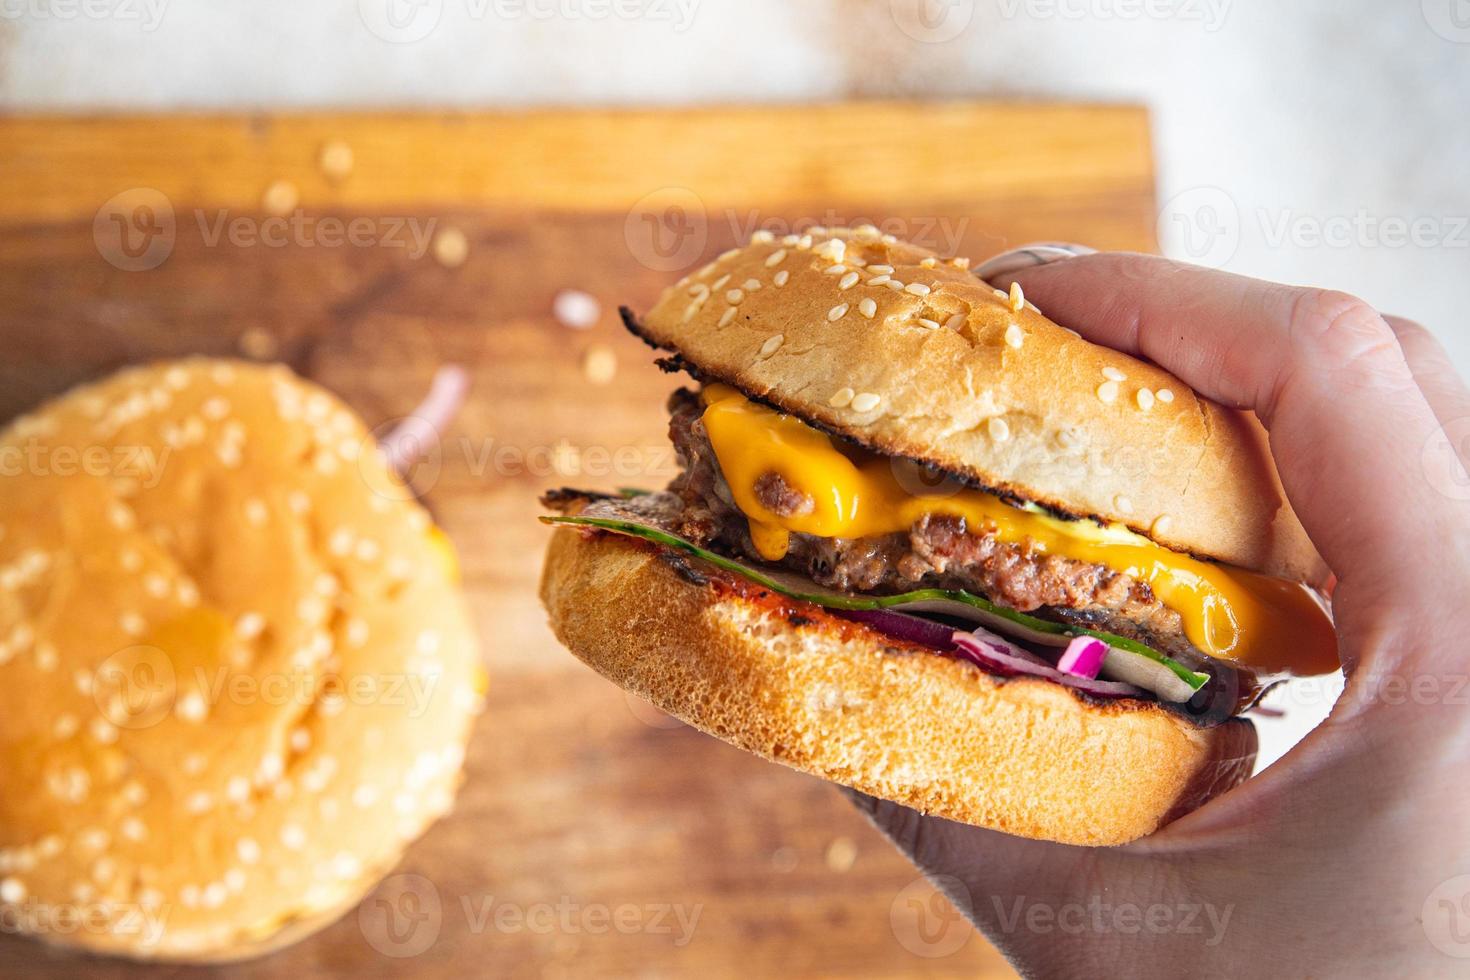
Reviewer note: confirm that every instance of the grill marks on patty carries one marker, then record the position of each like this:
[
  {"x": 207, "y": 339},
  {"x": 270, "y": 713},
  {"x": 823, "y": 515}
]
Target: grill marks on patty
[{"x": 938, "y": 551}]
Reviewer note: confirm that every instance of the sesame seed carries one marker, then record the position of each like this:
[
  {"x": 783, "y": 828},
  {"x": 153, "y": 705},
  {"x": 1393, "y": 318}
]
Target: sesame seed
[
  {"x": 237, "y": 790},
  {"x": 719, "y": 283},
  {"x": 280, "y": 198},
  {"x": 868, "y": 307},
  {"x": 334, "y": 160},
  {"x": 841, "y": 398},
  {"x": 293, "y": 837},
  {"x": 1164, "y": 395},
  {"x": 781, "y": 277},
  {"x": 727, "y": 316},
  {"x": 835, "y": 270},
  {"x": 199, "y": 802},
  {"x": 762, "y": 237},
  {"x": 364, "y": 796},
  {"x": 848, "y": 281},
  {"x": 895, "y": 285},
  {"x": 728, "y": 254},
  {"x": 256, "y": 512},
  {"x": 929, "y": 262},
  {"x": 103, "y": 731},
  {"x": 917, "y": 288},
  {"x": 248, "y": 850},
  {"x": 804, "y": 243},
  {"x": 1018, "y": 300},
  {"x": 837, "y": 312},
  {"x": 234, "y": 880},
  {"x": 879, "y": 280},
  {"x": 1108, "y": 392},
  {"x": 192, "y": 707},
  {"x": 928, "y": 324},
  {"x": 1145, "y": 399},
  {"x": 451, "y": 248},
  {"x": 132, "y": 624},
  {"x": 1014, "y": 336},
  {"x": 775, "y": 258},
  {"x": 751, "y": 285},
  {"x": 734, "y": 296},
  {"x": 155, "y": 585},
  {"x": 834, "y": 250},
  {"x": 866, "y": 402},
  {"x": 790, "y": 241},
  {"x": 12, "y": 890},
  {"x": 698, "y": 290},
  {"x": 883, "y": 269},
  {"x": 1123, "y": 504},
  {"x": 960, "y": 262},
  {"x": 1161, "y": 524},
  {"x": 133, "y": 829},
  {"x": 956, "y": 322},
  {"x": 1113, "y": 374},
  {"x": 771, "y": 345},
  {"x": 999, "y": 430}
]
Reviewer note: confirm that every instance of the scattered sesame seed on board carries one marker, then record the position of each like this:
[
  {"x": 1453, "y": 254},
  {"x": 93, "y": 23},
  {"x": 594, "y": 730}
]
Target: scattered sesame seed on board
[
  {"x": 258, "y": 344},
  {"x": 451, "y": 247},
  {"x": 335, "y": 160},
  {"x": 866, "y": 402},
  {"x": 841, "y": 854},
  {"x": 599, "y": 364},
  {"x": 578, "y": 309},
  {"x": 280, "y": 198}
]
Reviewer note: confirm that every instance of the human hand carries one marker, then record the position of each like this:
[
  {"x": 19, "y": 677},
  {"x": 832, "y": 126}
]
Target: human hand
[{"x": 1327, "y": 863}]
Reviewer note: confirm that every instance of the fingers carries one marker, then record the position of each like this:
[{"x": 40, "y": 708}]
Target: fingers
[
  {"x": 1324, "y": 372},
  {"x": 1435, "y": 372}
]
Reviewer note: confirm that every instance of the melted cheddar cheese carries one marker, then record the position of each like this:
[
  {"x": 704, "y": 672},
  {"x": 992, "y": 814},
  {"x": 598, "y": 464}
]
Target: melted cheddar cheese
[{"x": 1229, "y": 613}]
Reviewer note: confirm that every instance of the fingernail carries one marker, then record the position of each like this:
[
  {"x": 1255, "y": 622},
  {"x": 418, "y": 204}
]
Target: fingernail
[{"x": 1029, "y": 257}]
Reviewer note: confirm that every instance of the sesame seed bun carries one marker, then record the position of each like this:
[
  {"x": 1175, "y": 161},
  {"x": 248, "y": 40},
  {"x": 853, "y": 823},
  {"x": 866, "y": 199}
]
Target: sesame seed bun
[
  {"x": 887, "y": 344},
  {"x": 236, "y": 672},
  {"x": 790, "y": 682}
]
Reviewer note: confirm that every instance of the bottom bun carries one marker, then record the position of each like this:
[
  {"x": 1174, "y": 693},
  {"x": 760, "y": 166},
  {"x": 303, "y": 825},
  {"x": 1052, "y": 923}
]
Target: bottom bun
[{"x": 790, "y": 682}]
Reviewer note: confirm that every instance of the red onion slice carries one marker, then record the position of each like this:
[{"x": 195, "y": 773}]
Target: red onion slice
[
  {"x": 992, "y": 657},
  {"x": 418, "y": 434}
]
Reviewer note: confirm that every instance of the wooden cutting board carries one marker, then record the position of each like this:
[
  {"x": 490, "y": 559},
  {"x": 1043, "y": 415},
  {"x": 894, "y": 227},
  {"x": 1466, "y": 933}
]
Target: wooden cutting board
[{"x": 129, "y": 238}]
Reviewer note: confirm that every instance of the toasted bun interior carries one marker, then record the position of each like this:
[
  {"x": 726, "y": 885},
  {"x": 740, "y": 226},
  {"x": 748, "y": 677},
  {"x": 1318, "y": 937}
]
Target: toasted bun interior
[
  {"x": 827, "y": 696},
  {"x": 238, "y": 674},
  {"x": 888, "y": 344}
]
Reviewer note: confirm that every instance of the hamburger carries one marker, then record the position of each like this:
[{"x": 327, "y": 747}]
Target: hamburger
[
  {"x": 238, "y": 671},
  {"x": 932, "y": 546}
]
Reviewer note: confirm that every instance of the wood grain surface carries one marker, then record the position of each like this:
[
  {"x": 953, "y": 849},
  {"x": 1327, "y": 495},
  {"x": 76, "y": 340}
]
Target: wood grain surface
[{"x": 588, "y": 823}]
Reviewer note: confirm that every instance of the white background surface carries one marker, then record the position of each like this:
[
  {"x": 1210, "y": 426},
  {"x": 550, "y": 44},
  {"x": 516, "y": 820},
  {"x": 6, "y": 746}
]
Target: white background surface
[{"x": 1298, "y": 140}]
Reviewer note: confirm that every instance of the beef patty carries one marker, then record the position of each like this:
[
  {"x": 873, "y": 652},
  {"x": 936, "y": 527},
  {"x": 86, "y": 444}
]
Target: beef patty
[{"x": 938, "y": 551}]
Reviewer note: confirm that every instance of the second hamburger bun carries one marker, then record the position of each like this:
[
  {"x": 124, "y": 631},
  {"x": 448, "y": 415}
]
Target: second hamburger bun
[
  {"x": 790, "y": 682},
  {"x": 236, "y": 670},
  {"x": 927, "y": 361}
]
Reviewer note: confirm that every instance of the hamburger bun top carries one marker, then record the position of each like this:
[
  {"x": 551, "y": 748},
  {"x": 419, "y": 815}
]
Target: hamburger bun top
[
  {"x": 887, "y": 344},
  {"x": 238, "y": 674}
]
